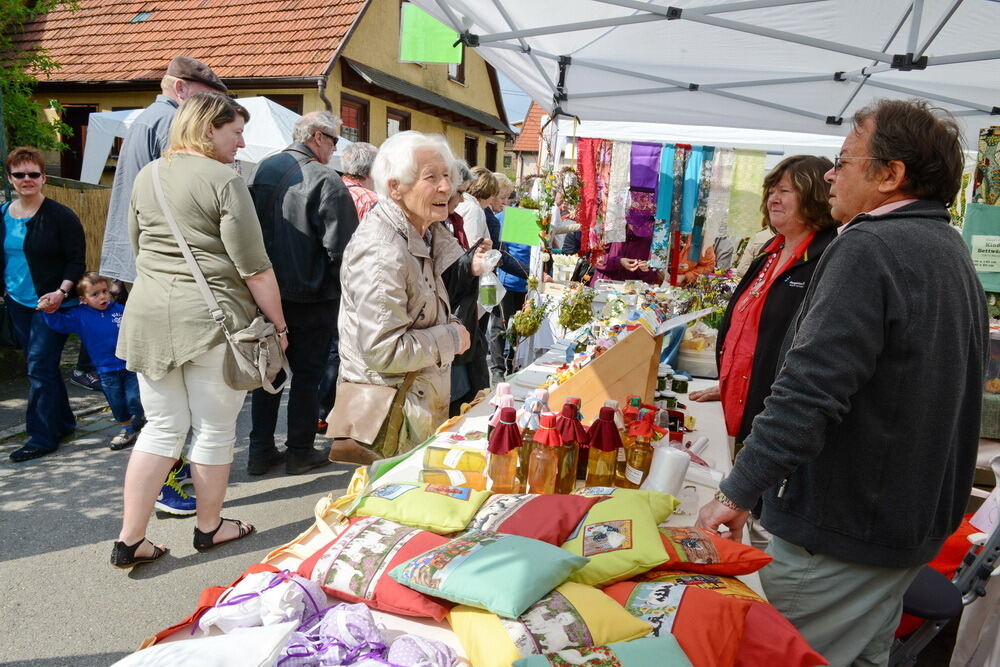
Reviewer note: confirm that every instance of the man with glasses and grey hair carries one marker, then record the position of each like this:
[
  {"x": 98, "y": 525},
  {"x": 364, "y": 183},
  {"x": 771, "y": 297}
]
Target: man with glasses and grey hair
[{"x": 307, "y": 216}]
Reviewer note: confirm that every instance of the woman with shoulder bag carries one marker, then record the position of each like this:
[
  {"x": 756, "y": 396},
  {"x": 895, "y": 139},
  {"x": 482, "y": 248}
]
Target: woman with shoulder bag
[{"x": 168, "y": 336}]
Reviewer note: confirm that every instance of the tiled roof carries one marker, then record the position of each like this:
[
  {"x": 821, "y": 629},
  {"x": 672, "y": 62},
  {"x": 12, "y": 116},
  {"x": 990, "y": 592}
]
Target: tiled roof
[
  {"x": 252, "y": 38},
  {"x": 531, "y": 130}
]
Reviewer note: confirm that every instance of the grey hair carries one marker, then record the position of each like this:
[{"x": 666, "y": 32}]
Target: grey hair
[
  {"x": 358, "y": 158},
  {"x": 503, "y": 182},
  {"x": 461, "y": 174},
  {"x": 307, "y": 125},
  {"x": 397, "y": 159}
]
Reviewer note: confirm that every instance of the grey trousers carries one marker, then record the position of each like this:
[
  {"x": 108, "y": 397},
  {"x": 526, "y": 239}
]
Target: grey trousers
[{"x": 847, "y": 611}]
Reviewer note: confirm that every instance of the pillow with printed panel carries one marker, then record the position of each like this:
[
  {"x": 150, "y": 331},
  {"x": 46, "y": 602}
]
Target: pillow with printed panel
[
  {"x": 768, "y": 637},
  {"x": 550, "y": 517},
  {"x": 648, "y": 652},
  {"x": 619, "y": 534},
  {"x": 435, "y": 507},
  {"x": 355, "y": 565},
  {"x": 571, "y": 616},
  {"x": 695, "y": 550},
  {"x": 504, "y": 574}
]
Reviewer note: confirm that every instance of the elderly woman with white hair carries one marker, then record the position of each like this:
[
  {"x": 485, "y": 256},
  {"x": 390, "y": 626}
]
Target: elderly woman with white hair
[{"x": 396, "y": 324}]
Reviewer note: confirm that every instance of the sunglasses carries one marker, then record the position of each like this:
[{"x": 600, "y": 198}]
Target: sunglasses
[
  {"x": 18, "y": 175},
  {"x": 330, "y": 137}
]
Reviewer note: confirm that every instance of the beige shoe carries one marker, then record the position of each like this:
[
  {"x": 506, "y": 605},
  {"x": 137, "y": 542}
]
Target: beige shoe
[{"x": 349, "y": 451}]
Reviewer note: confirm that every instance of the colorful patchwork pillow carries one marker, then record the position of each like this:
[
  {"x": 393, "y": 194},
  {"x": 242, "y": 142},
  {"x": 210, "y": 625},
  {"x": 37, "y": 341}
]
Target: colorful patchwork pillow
[
  {"x": 550, "y": 517},
  {"x": 571, "y": 616},
  {"x": 696, "y": 550},
  {"x": 504, "y": 574},
  {"x": 648, "y": 652},
  {"x": 353, "y": 567},
  {"x": 434, "y": 507},
  {"x": 708, "y": 626},
  {"x": 619, "y": 534},
  {"x": 730, "y": 586}
]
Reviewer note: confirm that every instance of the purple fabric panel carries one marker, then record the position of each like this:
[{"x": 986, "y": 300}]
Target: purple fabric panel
[
  {"x": 641, "y": 213},
  {"x": 645, "y": 172}
]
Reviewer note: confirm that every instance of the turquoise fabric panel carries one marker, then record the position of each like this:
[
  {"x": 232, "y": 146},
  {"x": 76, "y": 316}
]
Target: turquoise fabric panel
[
  {"x": 692, "y": 183},
  {"x": 665, "y": 189}
]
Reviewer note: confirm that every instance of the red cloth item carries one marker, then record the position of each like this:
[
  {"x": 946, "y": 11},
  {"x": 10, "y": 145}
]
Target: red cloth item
[
  {"x": 506, "y": 436},
  {"x": 604, "y": 434},
  {"x": 569, "y": 427},
  {"x": 586, "y": 210},
  {"x": 644, "y": 427},
  {"x": 692, "y": 549},
  {"x": 550, "y": 517},
  {"x": 946, "y": 562},
  {"x": 364, "y": 199},
  {"x": 736, "y": 358},
  {"x": 458, "y": 229},
  {"x": 770, "y": 639},
  {"x": 547, "y": 434}
]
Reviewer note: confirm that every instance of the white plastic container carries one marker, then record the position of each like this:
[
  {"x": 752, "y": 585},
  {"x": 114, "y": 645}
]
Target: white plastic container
[{"x": 667, "y": 470}]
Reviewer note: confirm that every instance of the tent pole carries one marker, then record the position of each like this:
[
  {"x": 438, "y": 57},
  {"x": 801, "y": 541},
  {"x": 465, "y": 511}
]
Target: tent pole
[
  {"x": 984, "y": 108},
  {"x": 571, "y": 27},
  {"x": 940, "y": 24},
  {"x": 681, "y": 87},
  {"x": 918, "y": 9},
  {"x": 770, "y": 105},
  {"x": 455, "y": 23},
  {"x": 715, "y": 9},
  {"x": 524, "y": 45},
  {"x": 963, "y": 58}
]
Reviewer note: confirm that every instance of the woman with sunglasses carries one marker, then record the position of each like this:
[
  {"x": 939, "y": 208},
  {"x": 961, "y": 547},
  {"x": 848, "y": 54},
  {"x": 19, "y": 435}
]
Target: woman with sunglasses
[
  {"x": 43, "y": 255},
  {"x": 796, "y": 208}
]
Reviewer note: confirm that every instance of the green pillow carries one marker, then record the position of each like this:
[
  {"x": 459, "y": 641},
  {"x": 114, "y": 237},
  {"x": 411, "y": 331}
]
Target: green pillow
[
  {"x": 619, "y": 534},
  {"x": 648, "y": 652},
  {"x": 504, "y": 574},
  {"x": 433, "y": 507}
]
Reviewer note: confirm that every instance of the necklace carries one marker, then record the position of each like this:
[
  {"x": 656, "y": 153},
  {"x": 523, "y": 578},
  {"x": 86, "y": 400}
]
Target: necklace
[{"x": 757, "y": 288}]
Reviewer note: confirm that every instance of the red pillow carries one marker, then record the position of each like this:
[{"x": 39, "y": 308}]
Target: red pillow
[
  {"x": 708, "y": 626},
  {"x": 354, "y": 567},
  {"x": 770, "y": 639},
  {"x": 696, "y": 550},
  {"x": 550, "y": 518}
]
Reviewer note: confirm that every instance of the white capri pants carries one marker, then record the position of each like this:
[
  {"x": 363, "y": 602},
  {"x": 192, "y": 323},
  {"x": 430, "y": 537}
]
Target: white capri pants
[{"x": 192, "y": 397}]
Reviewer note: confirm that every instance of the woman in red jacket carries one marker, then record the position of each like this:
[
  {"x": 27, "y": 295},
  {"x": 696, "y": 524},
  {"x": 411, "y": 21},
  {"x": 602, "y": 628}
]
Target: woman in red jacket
[{"x": 797, "y": 209}]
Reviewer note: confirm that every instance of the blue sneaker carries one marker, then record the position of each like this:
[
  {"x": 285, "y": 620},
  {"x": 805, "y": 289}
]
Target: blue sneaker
[
  {"x": 173, "y": 499},
  {"x": 182, "y": 475}
]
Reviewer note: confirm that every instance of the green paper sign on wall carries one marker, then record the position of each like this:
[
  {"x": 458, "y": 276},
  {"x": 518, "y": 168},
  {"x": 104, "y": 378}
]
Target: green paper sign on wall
[
  {"x": 520, "y": 225},
  {"x": 424, "y": 39}
]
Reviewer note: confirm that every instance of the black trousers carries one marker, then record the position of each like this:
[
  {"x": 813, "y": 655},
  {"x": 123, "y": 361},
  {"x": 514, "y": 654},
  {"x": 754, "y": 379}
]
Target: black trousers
[
  {"x": 328, "y": 386},
  {"x": 310, "y": 329},
  {"x": 501, "y": 351}
]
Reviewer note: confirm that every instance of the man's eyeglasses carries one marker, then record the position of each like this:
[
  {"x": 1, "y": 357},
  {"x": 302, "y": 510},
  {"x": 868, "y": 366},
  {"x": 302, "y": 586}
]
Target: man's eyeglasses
[
  {"x": 838, "y": 161},
  {"x": 331, "y": 137},
  {"x": 18, "y": 175}
]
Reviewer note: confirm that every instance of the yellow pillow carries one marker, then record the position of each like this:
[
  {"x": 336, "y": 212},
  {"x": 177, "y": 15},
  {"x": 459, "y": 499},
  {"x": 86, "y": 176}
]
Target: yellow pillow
[
  {"x": 573, "y": 615},
  {"x": 433, "y": 507},
  {"x": 619, "y": 534}
]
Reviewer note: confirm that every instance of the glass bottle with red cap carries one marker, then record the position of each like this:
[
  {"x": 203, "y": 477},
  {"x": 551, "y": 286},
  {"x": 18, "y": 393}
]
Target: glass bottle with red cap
[
  {"x": 640, "y": 454},
  {"x": 546, "y": 455},
  {"x": 527, "y": 420},
  {"x": 505, "y": 401},
  {"x": 605, "y": 443},
  {"x": 505, "y": 441},
  {"x": 633, "y": 404},
  {"x": 574, "y": 439}
]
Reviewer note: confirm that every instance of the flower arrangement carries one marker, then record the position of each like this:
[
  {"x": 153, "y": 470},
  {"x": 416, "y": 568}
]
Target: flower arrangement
[
  {"x": 576, "y": 308},
  {"x": 712, "y": 290}
]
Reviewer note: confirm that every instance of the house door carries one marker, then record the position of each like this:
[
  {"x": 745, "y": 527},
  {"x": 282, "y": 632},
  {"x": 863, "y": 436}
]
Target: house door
[{"x": 77, "y": 117}]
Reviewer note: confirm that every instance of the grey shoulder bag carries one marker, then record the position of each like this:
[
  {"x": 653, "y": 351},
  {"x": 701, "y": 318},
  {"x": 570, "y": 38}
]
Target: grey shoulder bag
[{"x": 253, "y": 355}]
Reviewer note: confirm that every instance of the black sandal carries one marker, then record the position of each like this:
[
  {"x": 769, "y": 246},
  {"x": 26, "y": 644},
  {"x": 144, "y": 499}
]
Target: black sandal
[
  {"x": 204, "y": 541},
  {"x": 123, "y": 555}
]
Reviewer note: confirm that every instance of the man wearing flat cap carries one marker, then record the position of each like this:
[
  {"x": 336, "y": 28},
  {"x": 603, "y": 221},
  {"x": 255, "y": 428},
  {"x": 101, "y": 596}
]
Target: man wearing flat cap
[{"x": 145, "y": 141}]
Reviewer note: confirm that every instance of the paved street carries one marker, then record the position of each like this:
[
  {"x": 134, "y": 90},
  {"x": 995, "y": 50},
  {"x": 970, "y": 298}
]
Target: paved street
[{"x": 64, "y": 604}]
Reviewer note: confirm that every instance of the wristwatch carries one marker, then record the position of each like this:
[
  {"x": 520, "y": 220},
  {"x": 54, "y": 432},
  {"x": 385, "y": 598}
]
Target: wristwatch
[
  {"x": 64, "y": 293},
  {"x": 725, "y": 500}
]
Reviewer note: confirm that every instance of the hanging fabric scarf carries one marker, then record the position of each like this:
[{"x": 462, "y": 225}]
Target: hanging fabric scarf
[
  {"x": 586, "y": 211},
  {"x": 717, "y": 207},
  {"x": 692, "y": 182},
  {"x": 618, "y": 192},
  {"x": 704, "y": 183},
  {"x": 660, "y": 250},
  {"x": 682, "y": 153},
  {"x": 644, "y": 174},
  {"x": 603, "y": 178},
  {"x": 641, "y": 212},
  {"x": 746, "y": 195}
]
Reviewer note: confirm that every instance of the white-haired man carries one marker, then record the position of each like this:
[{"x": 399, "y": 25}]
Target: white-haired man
[{"x": 307, "y": 216}]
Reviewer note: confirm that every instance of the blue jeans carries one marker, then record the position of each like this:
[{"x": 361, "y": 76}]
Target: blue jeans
[
  {"x": 49, "y": 416},
  {"x": 121, "y": 388}
]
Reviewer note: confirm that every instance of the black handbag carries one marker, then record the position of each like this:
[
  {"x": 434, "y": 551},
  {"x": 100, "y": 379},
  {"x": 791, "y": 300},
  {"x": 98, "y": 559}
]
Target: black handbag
[{"x": 8, "y": 339}]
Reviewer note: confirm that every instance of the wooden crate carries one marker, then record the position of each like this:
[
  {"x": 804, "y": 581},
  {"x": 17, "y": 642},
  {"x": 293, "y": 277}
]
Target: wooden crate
[{"x": 627, "y": 368}]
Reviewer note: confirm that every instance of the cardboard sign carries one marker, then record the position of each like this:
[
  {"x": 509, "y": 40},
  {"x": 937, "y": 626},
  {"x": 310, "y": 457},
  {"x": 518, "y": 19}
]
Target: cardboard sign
[
  {"x": 424, "y": 39},
  {"x": 985, "y": 253},
  {"x": 520, "y": 225}
]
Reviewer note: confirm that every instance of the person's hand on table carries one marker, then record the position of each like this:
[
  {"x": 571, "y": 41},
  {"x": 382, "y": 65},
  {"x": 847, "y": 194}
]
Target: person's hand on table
[
  {"x": 704, "y": 395},
  {"x": 714, "y": 514}
]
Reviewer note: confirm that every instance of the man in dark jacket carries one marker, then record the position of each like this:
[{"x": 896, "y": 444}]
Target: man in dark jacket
[
  {"x": 865, "y": 450},
  {"x": 307, "y": 216}
]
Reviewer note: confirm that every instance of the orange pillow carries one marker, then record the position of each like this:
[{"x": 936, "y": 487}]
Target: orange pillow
[
  {"x": 696, "y": 550},
  {"x": 729, "y": 586},
  {"x": 708, "y": 626},
  {"x": 770, "y": 639}
]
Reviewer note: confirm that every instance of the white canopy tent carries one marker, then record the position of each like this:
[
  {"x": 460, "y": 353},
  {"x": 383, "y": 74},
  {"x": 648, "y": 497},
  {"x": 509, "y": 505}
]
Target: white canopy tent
[
  {"x": 269, "y": 131},
  {"x": 786, "y": 65}
]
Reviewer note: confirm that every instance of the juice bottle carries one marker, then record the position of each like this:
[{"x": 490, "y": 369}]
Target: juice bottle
[
  {"x": 574, "y": 442},
  {"x": 640, "y": 454},
  {"x": 527, "y": 420},
  {"x": 504, "y": 444},
  {"x": 445, "y": 458},
  {"x": 543, "y": 469},
  {"x": 605, "y": 443},
  {"x": 629, "y": 415},
  {"x": 467, "y": 479},
  {"x": 502, "y": 389},
  {"x": 505, "y": 401}
]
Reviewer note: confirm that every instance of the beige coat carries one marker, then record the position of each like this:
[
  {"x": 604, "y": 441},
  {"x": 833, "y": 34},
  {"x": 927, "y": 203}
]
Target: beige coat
[{"x": 395, "y": 316}]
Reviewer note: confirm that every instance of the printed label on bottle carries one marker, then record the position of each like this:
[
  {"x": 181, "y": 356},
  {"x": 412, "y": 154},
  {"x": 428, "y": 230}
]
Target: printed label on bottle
[
  {"x": 452, "y": 458},
  {"x": 633, "y": 475},
  {"x": 621, "y": 454},
  {"x": 456, "y": 476}
]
